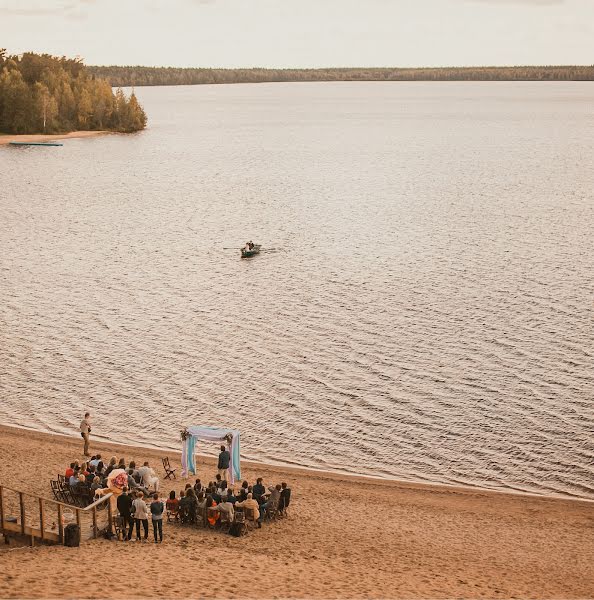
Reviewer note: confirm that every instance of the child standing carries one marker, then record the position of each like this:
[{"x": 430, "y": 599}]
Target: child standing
[{"x": 157, "y": 508}]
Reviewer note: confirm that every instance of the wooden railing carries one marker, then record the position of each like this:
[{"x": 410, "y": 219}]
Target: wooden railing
[{"x": 42, "y": 507}]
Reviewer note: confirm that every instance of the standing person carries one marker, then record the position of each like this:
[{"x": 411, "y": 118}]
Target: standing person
[
  {"x": 125, "y": 510},
  {"x": 140, "y": 514},
  {"x": 85, "y": 431},
  {"x": 224, "y": 460},
  {"x": 157, "y": 515}
]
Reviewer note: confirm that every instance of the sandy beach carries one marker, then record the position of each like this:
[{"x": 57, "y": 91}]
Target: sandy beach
[
  {"x": 345, "y": 537},
  {"x": 5, "y": 138}
]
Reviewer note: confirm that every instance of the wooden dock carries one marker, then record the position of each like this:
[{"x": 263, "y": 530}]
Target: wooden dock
[{"x": 40, "y": 520}]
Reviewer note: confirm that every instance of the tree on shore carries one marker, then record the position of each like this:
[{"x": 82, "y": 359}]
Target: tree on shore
[{"x": 40, "y": 93}]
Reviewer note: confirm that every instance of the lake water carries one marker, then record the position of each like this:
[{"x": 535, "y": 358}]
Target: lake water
[{"x": 422, "y": 309}]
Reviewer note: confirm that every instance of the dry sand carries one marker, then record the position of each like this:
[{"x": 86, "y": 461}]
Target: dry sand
[
  {"x": 345, "y": 537},
  {"x": 41, "y": 137}
]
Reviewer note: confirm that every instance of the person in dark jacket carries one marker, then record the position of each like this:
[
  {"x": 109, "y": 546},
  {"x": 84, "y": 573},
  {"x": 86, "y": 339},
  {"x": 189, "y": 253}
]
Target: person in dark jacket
[
  {"x": 259, "y": 489},
  {"x": 224, "y": 460},
  {"x": 125, "y": 510}
]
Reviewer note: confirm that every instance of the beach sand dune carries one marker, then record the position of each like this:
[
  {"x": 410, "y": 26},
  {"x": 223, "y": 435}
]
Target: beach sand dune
[{"x": 346, "y": 537}]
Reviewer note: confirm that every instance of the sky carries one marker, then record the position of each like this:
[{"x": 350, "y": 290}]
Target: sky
[{"x": 303, "y": 33}]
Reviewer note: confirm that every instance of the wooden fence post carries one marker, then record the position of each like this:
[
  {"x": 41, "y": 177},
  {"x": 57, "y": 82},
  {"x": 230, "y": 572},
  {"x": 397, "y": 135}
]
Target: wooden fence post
[
  {"x": 60, "y": 524},
  {"x": 94, "y": 522},
  {"x": 22, "y": 503},
  {"x": 110, "y": 517},
  {"x": 41, "y": 519},
  {"x": 1, "y": 508}
]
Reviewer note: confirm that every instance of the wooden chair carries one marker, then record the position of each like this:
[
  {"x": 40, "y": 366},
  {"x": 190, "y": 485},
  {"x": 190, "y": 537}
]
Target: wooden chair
[
  {"x": 201, "y": 516},
  {"x": 250, "y": 516},
  {"x": 239, "y": 519},
  {"x": 57, "y": 491},
  {"x": 119, "y": 527},
  {"x": 271, "y": 512},
  {"x": 224, "y": 520},
  {"x": 169, "y": 472}
]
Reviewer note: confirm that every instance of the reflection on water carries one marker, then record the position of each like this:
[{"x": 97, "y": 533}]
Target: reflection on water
[{"x": 422, "y": 309}]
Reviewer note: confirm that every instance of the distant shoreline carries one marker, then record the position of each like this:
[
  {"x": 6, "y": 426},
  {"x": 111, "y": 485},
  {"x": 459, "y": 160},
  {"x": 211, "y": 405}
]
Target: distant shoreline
[
  {"x": 136, "y": 75},
  {"x": 6, "y": 138}
]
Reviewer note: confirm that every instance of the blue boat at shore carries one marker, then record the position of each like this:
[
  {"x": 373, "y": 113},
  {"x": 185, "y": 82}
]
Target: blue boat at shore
[{"x": 36, "y": 143}]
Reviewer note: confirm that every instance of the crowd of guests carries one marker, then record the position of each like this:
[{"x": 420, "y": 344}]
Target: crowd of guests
[
  {"x": 140, "y": 501},
  {"x": 217, "y": 494},
  {"x": 94, "y": 473}
]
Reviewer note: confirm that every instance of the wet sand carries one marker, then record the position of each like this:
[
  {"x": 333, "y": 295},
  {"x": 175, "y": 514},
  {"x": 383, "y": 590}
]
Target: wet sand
[
  {"x": 5, "y": 138},
  {"x": 345, "y": 537}
]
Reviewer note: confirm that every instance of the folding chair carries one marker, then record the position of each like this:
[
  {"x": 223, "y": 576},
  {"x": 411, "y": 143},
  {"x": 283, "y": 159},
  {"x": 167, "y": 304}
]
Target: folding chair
[
  {"x": 169, "y": 472},
  {"x": 271, "y": 512},
  {"x": 240, "y": 520},
  {"x": 250, "y": 516},
  {"x": 119, "y": 527},
  {"x": 56, "y": 491}
]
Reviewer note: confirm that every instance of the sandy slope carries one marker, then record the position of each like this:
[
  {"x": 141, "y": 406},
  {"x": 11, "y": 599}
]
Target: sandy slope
[{"x": 345, "y": 538}]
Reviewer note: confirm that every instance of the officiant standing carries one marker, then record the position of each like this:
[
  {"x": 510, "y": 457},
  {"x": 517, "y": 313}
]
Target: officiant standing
[
  {"x": 223, "y": 465},
  {"x": 85, "y": 432}
]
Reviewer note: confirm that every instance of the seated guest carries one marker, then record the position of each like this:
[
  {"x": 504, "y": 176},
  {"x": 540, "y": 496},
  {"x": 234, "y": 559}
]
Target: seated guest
[
  {"x": 135, "y": 486},
  {"x": 84, "y": 469},
  {"x": 82, "y": 481},
  {"x": 74, "y": 477},
  {"x": 187, "y": 506},
  {"x": 252, "y": 505},
  {"x": 272, "y": 501},
  {"x": 188, "y": 486},
  {"x": 91, "y": 474},
  {"x": 112, "y": 465},
  {"x": 231, "y": 496},
  {"x": 122, "y": 464},
  {"x": 201, "y": 500},
  {"x": 212, "y": 516},
  {"x": 95, "y": 460},
  {"x": 149, "y": 477},
  {"x": 259, "y": 489},
  {"x": 172, "y": 505},
  {"x": 96, "y": 484},
  {"x": 218, "y": 481},
  {"x": 243, "y": 492},
  {"x": 198, "y": 486},
  {"x": 216, "y": 495},
  {"x": 69, "y": 471},
  {"x": 99, "y": 469},
  {"x": 227, "y": 508}
]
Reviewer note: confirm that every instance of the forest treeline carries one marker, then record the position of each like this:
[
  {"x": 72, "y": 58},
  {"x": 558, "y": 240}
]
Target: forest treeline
[
  {"x": 40, "y": 93},
  {"x": 138, "y": 76}
]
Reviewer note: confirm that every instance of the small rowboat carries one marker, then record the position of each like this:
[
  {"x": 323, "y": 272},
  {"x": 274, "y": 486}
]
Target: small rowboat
[
  {"x": 35, "y": 143},
  {"x": 247, "y": 253}
]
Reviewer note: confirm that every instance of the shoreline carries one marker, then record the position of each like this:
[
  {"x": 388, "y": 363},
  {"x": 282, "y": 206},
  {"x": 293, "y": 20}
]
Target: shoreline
[
  {"x": 6, "y": 138},
  {"x": 345, "y": 537},
  {"x": 304, "y": 470}
]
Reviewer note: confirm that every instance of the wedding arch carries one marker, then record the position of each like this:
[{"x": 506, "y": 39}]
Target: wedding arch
[{"x": 229, "y": 437}]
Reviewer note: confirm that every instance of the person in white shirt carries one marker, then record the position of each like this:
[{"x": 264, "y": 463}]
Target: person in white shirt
[
  {"x": 85, "y": 431},
  {"x": 95, "y": 461},
  {"x": 141, "y": 514},
  {"x": 226, "y": 507},
  {"x": 149, "y": 477}
]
